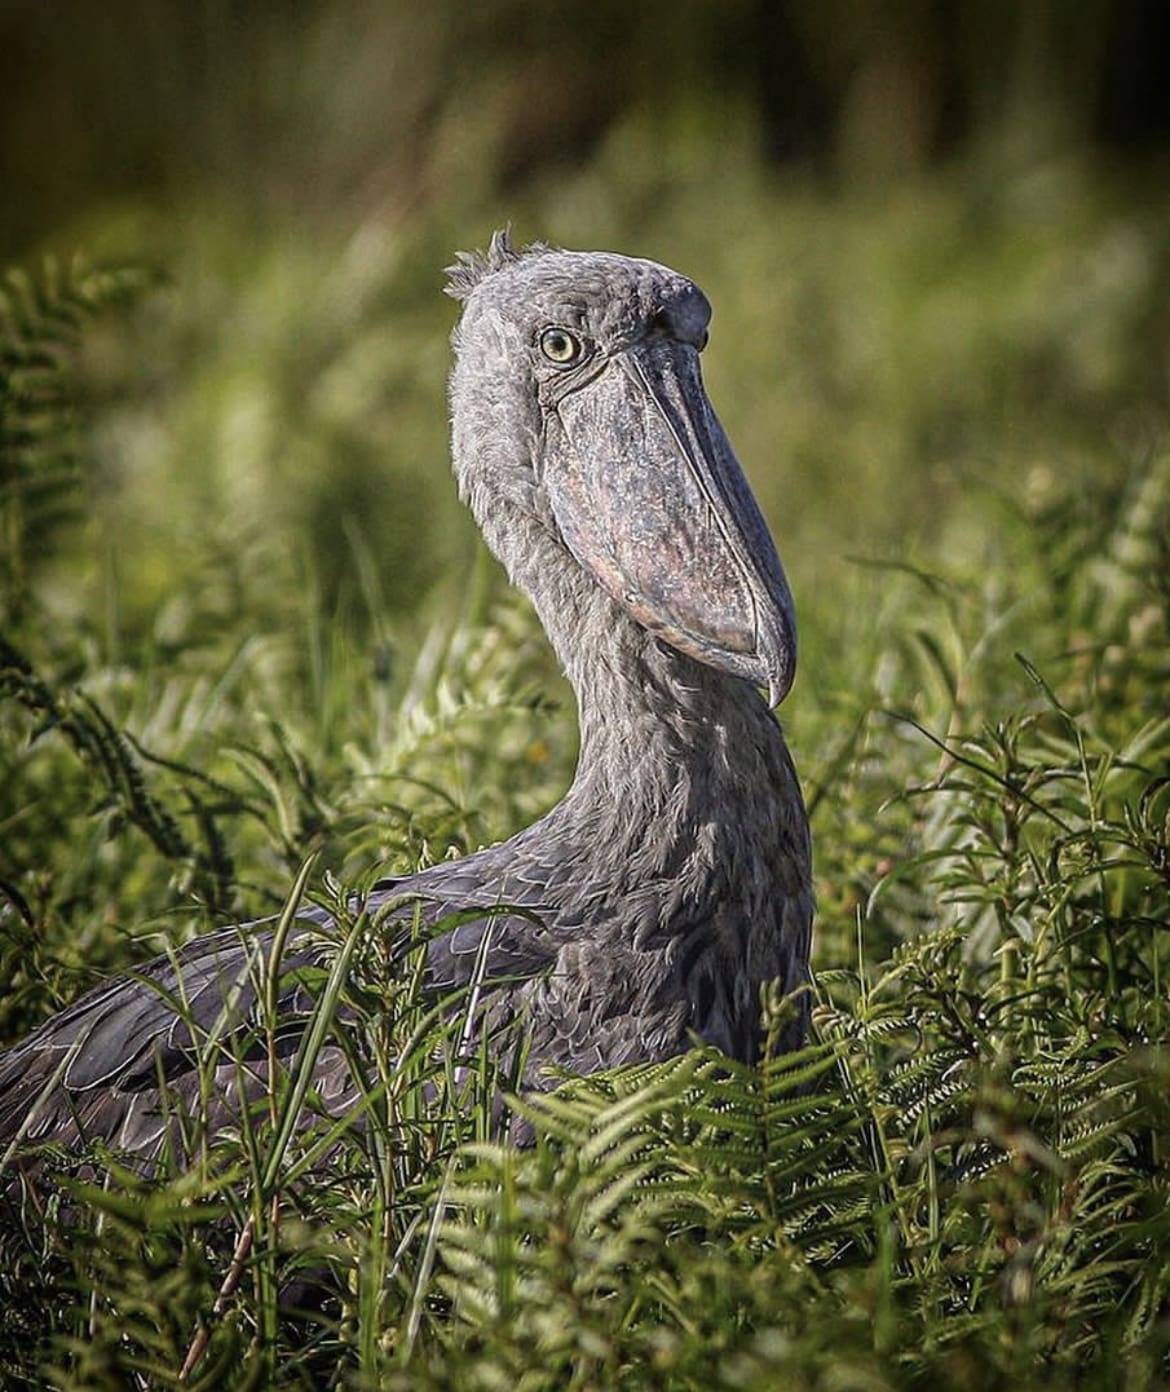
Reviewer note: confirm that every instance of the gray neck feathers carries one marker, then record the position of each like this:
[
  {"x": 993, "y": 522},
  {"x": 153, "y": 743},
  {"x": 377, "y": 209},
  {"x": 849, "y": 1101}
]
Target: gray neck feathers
[{"x": 679, "y": 762}]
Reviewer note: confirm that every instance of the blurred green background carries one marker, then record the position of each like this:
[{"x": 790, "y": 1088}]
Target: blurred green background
[{"x": 935, "y": 236}]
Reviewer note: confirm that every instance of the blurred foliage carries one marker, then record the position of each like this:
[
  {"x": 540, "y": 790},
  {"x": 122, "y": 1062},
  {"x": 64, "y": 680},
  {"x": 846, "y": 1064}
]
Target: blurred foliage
[{"x": 245, "y": 619}]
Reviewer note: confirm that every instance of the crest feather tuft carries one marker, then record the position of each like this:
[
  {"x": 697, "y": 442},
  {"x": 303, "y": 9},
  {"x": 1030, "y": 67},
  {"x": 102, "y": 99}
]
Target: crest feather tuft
[{"x": 473, "y": 266}]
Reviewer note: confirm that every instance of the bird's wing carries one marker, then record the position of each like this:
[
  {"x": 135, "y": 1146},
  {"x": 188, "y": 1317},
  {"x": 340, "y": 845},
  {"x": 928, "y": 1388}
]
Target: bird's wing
[
  {"x": 78, "y": 1073},
  {"x": 494, "y": 924},
  {"x": 96, "y": 1069}
]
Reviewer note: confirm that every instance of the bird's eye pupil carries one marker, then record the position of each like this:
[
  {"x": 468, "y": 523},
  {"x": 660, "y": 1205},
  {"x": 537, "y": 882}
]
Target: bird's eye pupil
[{"x": 560, "y": 346}]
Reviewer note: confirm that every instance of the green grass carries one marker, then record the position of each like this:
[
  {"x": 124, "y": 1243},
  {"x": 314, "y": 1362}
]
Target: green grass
[{"x": 245, "y": 625}]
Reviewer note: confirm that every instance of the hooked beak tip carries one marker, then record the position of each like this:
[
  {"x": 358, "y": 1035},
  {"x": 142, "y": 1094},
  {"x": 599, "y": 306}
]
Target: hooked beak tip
[
  {"x": 776, "y": 647},
  {"x": 779, "y": 685},
  {"x": 780, "y": 662}
]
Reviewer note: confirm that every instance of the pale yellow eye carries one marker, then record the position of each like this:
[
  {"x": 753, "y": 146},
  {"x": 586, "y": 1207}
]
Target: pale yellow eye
[{"x": 560, "y": 346}]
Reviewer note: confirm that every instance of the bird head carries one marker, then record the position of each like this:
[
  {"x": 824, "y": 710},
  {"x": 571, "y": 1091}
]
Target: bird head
[{"x": 577, "y": 399}]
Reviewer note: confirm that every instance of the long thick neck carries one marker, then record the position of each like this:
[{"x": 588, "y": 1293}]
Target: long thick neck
[{"x": 668, "y": 744}]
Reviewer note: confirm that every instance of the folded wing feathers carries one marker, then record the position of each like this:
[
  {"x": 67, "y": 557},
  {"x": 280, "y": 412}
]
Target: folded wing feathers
[{"x": 94, "y": 1070}]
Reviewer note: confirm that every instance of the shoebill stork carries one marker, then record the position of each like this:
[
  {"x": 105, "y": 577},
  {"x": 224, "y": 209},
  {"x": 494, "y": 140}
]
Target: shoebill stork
[{"x": 653, "y": 903}]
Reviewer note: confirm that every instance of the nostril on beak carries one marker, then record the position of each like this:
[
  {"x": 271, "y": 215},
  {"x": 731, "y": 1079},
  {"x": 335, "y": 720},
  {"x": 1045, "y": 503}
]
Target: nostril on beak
[{"x": 684, "y": 319}]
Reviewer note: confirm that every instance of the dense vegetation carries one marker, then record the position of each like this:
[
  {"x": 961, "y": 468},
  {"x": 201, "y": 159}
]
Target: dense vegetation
[{"x": 250, "y": 651}]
